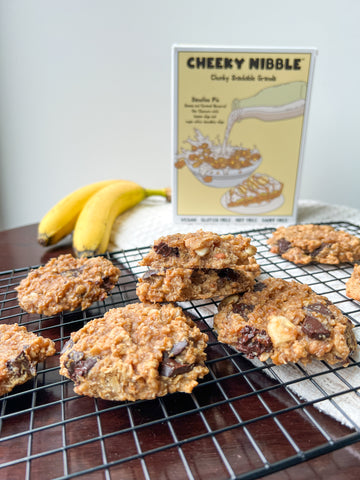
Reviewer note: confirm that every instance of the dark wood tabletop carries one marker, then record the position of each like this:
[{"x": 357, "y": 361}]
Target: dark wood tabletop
[{"x": 19, "y": 248}]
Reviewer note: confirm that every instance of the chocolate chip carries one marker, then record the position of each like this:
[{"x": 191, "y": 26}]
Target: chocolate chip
[
  {"x": 107, "y": 284},
  {"x": 83, "y": 367},
  {"x": 320, "y": 308},
  {"x": 253, "y": 342},
  {"x": 229, "y": 274},
  {"x": 76, "y": 366},
  {"x": 197, "y": 276},
  {"x": 165, "y": 250},
  {"x": 178, "y": 348},
  {"x": 313, "y": 328},
  {"x": 72, "y": 360},
  {"x": 170, "y": 367},
  {"x": 316, "y": 252},
  {"x": 20, "y": 365},
  {"x": 243, "y": 309},
  {"x": 259, "y": 286},
  {"x": 283, "y": 245}
]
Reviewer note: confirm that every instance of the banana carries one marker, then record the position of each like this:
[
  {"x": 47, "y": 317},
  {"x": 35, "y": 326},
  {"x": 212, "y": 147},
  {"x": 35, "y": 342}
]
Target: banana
[
  {"x": 93, "y": 227},
  {"x": 60, "y": 220}
]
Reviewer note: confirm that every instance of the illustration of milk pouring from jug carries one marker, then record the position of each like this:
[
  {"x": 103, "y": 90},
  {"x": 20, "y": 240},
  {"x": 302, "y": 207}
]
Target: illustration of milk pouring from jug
[{"x": 281, "y": 102}]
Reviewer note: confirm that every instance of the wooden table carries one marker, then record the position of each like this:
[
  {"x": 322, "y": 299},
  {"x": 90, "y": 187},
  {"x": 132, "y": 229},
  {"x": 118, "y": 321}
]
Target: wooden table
[{"x": 18, "y": 248}]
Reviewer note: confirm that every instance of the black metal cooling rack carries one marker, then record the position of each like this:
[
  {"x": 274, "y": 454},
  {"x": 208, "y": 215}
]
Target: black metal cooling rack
[{"x": 243, "y": 421}]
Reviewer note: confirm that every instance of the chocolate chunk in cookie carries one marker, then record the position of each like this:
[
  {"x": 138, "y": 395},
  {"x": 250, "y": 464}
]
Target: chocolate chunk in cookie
[
  {"x": 254, "y": 342},
  {"x": 243, "y": 309},
  {"x": 313, "y": 328},
  {"x": 283, "y": 245},
  {"x": 140, "y": 351},
  {"x": 165, "y": 250},
  {"x": 287, "y": 322},
  {"x": 66, "y": 283},
  {"x": 304, "y": 244},
  {"x": 20, "y": 352}
]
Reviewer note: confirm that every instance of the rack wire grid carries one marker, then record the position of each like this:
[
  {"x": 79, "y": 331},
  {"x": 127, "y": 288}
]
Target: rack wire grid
[{"x": 243, "y": 420}]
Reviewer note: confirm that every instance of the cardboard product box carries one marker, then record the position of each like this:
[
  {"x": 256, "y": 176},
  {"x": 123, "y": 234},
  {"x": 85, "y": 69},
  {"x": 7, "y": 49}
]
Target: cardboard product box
[{"x": 239, "y": 123}]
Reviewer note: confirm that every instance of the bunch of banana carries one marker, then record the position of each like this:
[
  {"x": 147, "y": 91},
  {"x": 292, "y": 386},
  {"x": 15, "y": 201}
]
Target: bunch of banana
[{"x": 90, "y": 212}]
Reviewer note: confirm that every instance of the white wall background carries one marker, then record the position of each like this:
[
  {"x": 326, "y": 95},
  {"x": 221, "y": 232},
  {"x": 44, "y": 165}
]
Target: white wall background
[{"x": 85, "y": 90}]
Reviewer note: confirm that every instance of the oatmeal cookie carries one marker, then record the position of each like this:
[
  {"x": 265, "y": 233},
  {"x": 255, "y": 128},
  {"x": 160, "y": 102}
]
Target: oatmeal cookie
[
  {"x": 353, "y": 284},
  {"x": 182, "y": 284},
  {"x": 140, "y": 351},
  {"x": 20, "y": 352},
  {"x": 199, "y": 250},
  {"x": 66, "y": 283},
  {"x": 303, "y": 244},
  {"x": 287, "y": 322}
]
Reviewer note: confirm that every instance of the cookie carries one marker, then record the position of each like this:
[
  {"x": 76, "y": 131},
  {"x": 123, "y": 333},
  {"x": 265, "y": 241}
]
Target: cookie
[
  {"x": 199, "y": 250},
  {"x": 183, "y": 284},
  {"x": 304, "y": 244},
  {"x": 287, "y": 322},
  {"x": 256, "y": 189},
  {"x": 66, "y": 283},
  {"x": 20, "y": 352},
  {"x": 353, "y": 284},
  {"x": 140, "y": 351}
]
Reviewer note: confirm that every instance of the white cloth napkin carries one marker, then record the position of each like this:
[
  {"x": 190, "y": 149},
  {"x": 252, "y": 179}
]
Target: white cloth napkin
[{"x": 152, "y": 218}]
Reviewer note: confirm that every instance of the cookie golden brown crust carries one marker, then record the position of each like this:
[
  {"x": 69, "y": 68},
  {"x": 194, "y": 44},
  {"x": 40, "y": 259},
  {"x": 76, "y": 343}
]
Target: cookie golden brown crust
[
  {"x": 199, "y": 250},
  {"x": 287, "y": 322},
  {"x": 304, "y": 244},
  {"x": 66, "y": 283},
  {"x": 20, "y": 352},
  {"x": 140, "y": 351}
]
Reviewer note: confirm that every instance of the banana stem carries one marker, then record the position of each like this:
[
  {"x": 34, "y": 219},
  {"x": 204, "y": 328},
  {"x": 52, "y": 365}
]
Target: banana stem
[{"x": 163, "y": 192}]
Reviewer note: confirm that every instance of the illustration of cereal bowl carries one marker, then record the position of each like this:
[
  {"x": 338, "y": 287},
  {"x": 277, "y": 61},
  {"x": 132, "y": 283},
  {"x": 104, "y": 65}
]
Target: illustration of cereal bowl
[
  {"x": 222, "y": 177},
  {"x": 218, "y": 165}
]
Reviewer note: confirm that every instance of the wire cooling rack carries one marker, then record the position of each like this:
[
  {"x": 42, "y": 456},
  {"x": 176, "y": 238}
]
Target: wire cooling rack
[{"x": 243, "y": 421}]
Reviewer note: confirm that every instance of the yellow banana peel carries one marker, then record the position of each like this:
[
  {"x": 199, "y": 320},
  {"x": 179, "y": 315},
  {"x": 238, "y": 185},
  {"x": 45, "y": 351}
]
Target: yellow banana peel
[
  {"x": 94, "y": 224},
  {"x": 60, "y": 220}
]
